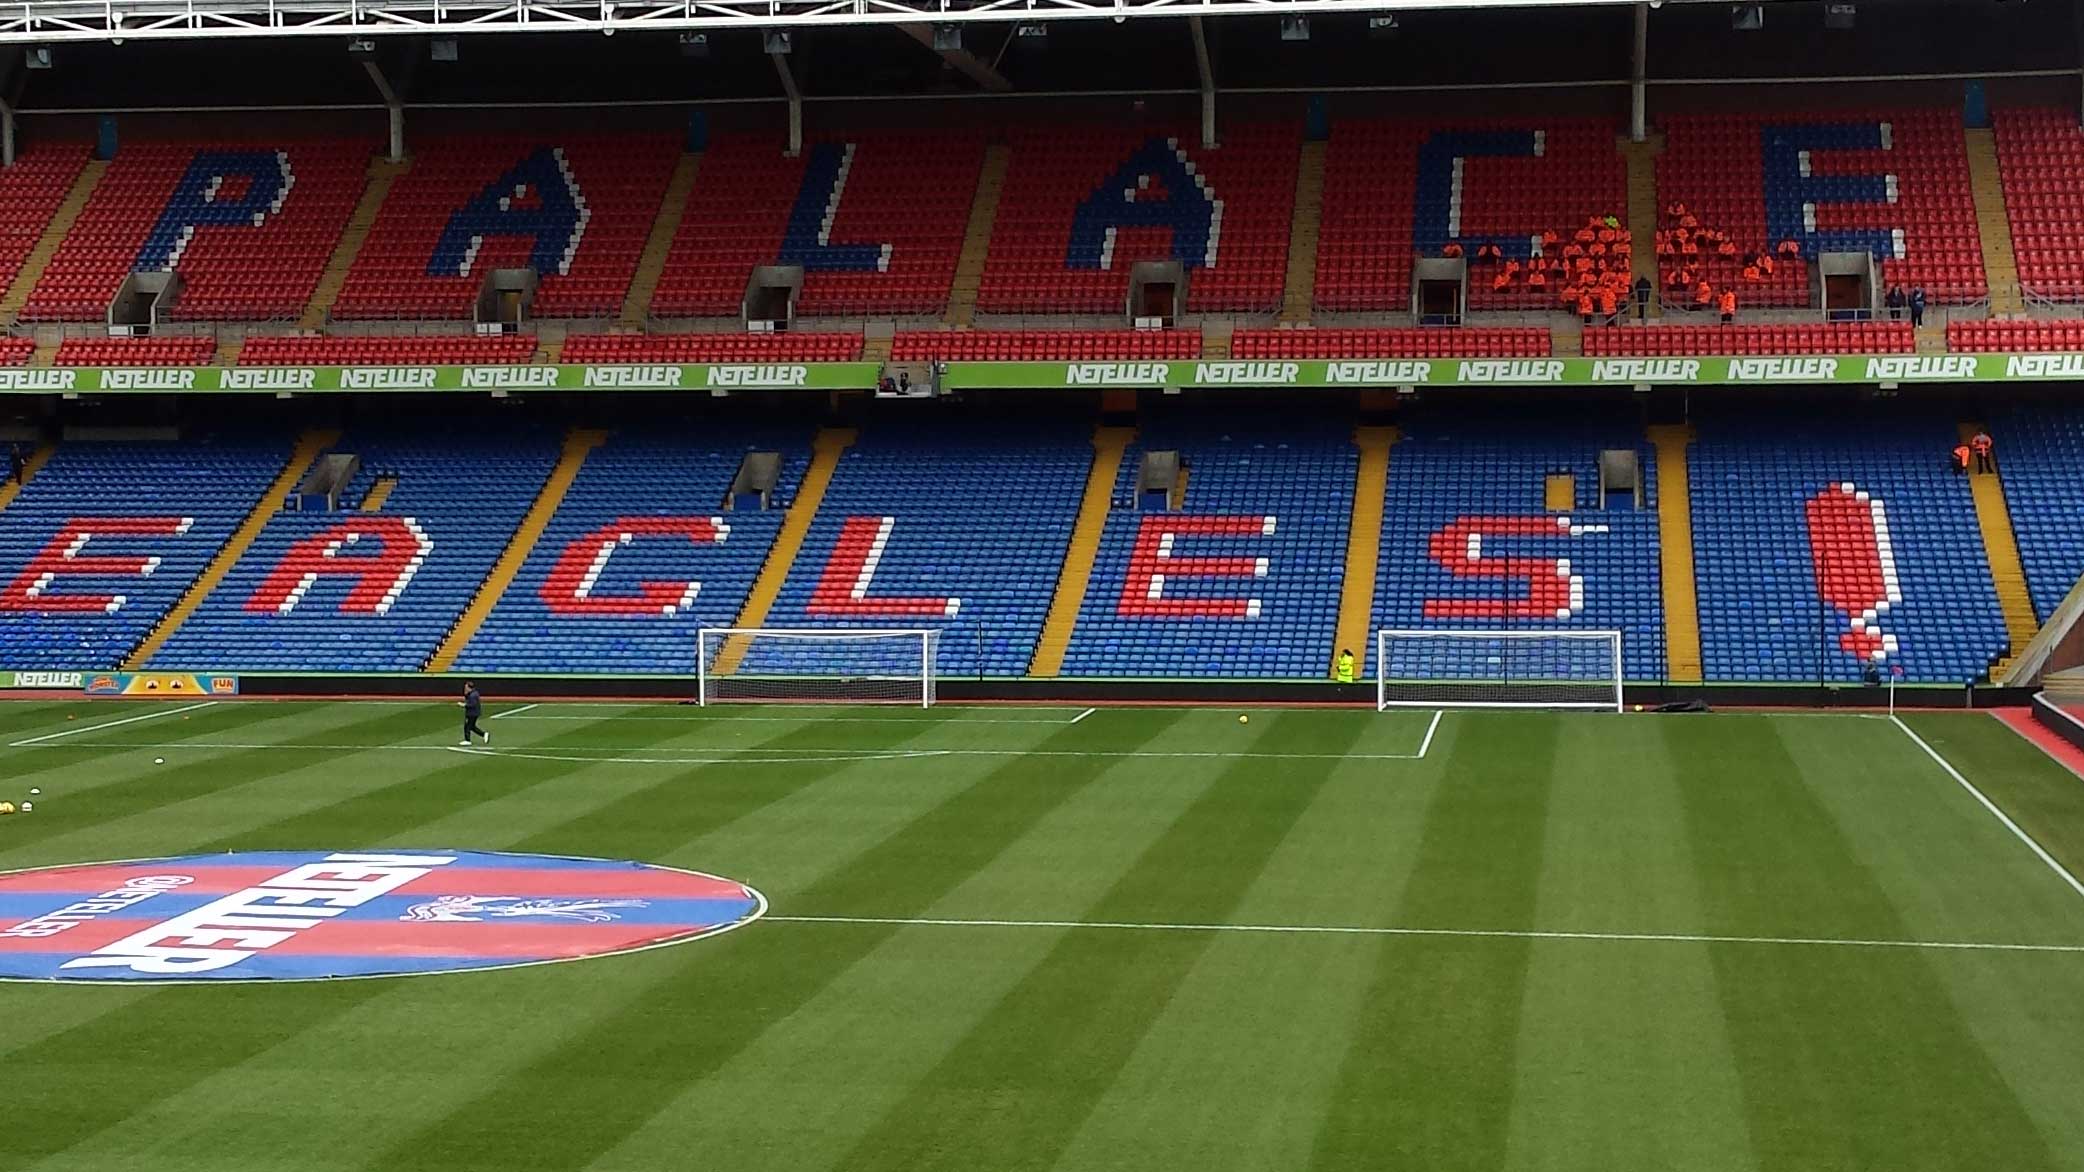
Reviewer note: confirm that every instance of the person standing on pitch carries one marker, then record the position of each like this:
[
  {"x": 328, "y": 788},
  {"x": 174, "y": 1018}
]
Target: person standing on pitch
[
  {"x": 473, "y": 706},
  {"x": 1345, "y": 671}
]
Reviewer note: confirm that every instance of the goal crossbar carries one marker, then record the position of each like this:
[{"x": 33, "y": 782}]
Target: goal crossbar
[
  {"x": 835, "y": 665},
  {"x": 1498, "y": 669}
]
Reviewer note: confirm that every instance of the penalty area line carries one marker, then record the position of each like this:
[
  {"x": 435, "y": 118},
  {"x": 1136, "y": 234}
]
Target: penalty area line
[
  {"x": 1991, "y": 806},
  {"x": 1452, "y": 933},
  {"x": 87, "y": 728},
  {"x": 513, "y": 711}
]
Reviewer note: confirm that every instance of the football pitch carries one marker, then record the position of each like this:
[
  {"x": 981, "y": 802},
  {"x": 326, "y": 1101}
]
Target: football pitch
[{"x": 1003, "y": 938}]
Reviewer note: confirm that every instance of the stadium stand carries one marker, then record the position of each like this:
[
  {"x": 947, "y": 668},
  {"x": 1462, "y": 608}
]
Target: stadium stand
[
  {"x": 491, "y": 349},
  {"x": 1043, "y": 345},
  {"x": 30, "y": 192},
  {"x": 1479, "y": 479},
  {"x": 577, "y": 210},
  {"x": 249, "y": 226},
  {"x": 712, "y": 348},
  {"x": 876, "y": 221},
  {"x": 2040, "y": 154},
  {"x": 1811, "y": 338},
  {"x": 1891, "y": 182},
  {"x": 107, "y": 537},
  {"x": 605, "y": 589},
  {"x": 372, "y": 591},
  {"x": 2040, "y": 455},
  {"x": 1390, "y": 343},
  {"x": 948, "y": 525},
  {"x": 16, "y": 351},
  {"x": 1857, "y": 508},
  {"x": 1398, "y": 189},
  {"x": 1083, "y": 203},
  {"x": 169, "y": 351},
  {"x": 2025, "y": 336},
  {"x": 1242, "y": 581}
]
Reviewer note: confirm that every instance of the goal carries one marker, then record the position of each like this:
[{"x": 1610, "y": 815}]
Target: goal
[
  {"x": 1498, "y": 669},
  {"x": 830, "y": 666}
]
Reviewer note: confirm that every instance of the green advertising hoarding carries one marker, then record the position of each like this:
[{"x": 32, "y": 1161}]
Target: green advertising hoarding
[
  {"x": 764, "y": 376},
  {"x": 1851, "y": 369},
  {"x": 1522, "y": 372}
]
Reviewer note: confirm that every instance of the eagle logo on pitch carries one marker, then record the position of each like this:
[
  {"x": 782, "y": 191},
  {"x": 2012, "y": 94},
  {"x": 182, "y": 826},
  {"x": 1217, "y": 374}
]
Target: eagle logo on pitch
[{"x": 474, "y": 909}]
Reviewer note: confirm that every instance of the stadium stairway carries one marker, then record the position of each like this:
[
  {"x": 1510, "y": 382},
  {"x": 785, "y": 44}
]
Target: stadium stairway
[
  {"x": 1642, "y": 198},
  {"x": 1108, "y": 445},
  {"x": 2007, "y": 571},
  {"x": 382, "y": 174},
  {"x": 30, "y": 467},
  {"x": 1682, "y": 663},
  {"x": 651, "y": 264},
  {"x": 1364, "y": 539},
  {"x": 39, "y": 258},
  {"x": 976, "y": 238},
  {"x": 309, "y": 447},
  {"x": 577, "y": 445},
  {"x": 1299, "y": 292},
  {"x": 825, "y": 451},
  {"x": 1993, "y": 223},
  {"x": 379, "y": 493}
]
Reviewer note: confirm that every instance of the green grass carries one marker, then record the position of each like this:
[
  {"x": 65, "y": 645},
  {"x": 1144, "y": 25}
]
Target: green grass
[{"x": 1615, "y": 945}]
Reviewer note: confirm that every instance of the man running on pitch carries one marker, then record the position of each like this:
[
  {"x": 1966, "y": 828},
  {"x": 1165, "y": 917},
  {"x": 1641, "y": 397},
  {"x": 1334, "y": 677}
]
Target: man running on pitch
[{"x": 473, "y": 705}]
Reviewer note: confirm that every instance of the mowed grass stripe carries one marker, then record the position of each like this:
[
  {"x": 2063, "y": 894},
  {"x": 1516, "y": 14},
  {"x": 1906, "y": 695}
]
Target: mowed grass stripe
[
  {"x": 1011, "y": 1092},
  {"x": 640, "y": 1057},
  {"x": 90, "y": 760},
  {"x": 1430, "y": 1066},
  {"x": 2042, "y": 796},
  {"x": 190, "y": 1034},
  {"x": 1235, "y": 1069},
  {"x": 309, "y": 1059},
  {"x": 1622, "y": 1061},
  {"x": 133, "y": 786},
  {"x": 813, "y": 1082},
  {"x": 422, "y": 790},
  {"x": 1848, "y": 1061}
]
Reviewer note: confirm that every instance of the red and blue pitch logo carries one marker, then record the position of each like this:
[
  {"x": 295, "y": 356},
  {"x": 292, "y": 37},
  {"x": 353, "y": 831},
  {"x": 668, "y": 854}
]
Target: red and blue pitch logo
[{"x": 310, "y": 915}]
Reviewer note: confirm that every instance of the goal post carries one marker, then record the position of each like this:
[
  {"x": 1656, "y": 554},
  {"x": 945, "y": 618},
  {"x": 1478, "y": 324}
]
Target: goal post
[
  {"x": 835, "y": 665},
  {"x": 1498, "y": 669}
]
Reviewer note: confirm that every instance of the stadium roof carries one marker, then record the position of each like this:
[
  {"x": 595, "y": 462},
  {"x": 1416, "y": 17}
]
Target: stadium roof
[{"x": 54, "y": 21}]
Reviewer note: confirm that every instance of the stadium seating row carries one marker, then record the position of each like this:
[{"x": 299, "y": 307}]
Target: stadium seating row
[
  {"x": 1822, "y": 545},
  {"x": 877, "y": 219}
]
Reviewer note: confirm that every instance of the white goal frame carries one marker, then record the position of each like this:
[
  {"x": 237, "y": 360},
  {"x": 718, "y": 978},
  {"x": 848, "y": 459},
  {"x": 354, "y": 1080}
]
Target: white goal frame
[
  {"x": 1558, "y": 691},
  {"x": 714, "y": 672}
]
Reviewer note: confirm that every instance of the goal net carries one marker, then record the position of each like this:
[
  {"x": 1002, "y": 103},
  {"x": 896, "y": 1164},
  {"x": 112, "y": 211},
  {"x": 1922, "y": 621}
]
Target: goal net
[
  {"x": 1498, "y": 669},
  {"x": 834, "y": 666}
]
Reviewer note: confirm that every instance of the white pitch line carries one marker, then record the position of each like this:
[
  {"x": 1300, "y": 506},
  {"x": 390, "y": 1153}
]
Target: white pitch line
[
  {"x": 1476, "y": 933},
  {"x": 87, "y": 728},
  {"x": 1425, "y": 745},
  {"x": 638, "y": 719},
  {"x": 515, "y": 712},
  {"x": 1083, "y": 715},
  {"x": 1991, "y": 806},
  {"x": 524, "y": 751}
]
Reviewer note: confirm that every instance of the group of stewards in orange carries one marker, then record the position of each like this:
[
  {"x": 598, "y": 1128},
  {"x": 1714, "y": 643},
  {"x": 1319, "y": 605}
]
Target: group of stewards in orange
[
  {"x": 1693, "y": 247},
  {"x": 1589, "y": 272}
]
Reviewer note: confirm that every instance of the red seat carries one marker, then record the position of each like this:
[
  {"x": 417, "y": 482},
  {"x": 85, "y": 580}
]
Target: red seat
[
  {"x": 231, "y": 273},
  {"x": 614, "y": 348},
  {"x": 1391, "y": 343},
  {"x": 620, "y": 178},
  {"x": 434, "y": 350},
  {"x": 135, "y": 352},
  {"x": 1044, "y": 345},
  {"x": 1751, "y": 340}
]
